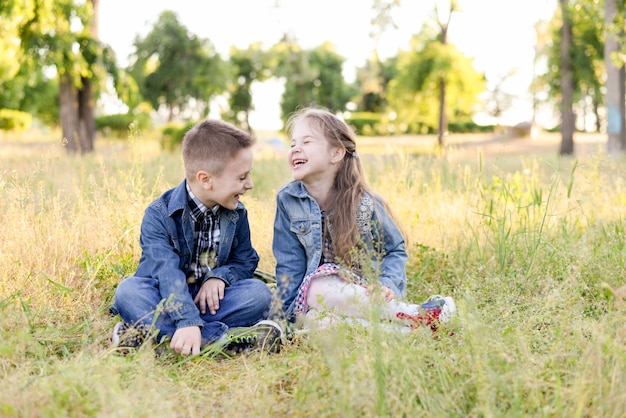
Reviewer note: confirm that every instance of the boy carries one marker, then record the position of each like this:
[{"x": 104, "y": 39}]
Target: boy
[{"x": 194, "y": 281}]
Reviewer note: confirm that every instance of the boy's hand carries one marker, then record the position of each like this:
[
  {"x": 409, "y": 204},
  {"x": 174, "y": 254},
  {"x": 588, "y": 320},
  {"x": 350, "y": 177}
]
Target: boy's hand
[
  {"x": 186, "y": 341},
  {"x": 210, "y": 294},
  {"x": 385, "y": 291}
]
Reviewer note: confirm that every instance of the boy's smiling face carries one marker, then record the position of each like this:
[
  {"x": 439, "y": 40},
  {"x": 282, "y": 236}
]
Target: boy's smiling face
[{"x": 227, "y": 188}]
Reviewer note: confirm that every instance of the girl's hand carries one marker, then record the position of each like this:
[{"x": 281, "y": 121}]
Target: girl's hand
[{"x": 385, "y": 292}]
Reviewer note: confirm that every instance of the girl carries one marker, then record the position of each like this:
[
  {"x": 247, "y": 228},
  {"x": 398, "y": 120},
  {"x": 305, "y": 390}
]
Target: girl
[{"x": 337, "y": 245}]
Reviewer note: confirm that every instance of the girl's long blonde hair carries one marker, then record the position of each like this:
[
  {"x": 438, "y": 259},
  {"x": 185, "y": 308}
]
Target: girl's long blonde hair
[{"x": 349, "y": 184}]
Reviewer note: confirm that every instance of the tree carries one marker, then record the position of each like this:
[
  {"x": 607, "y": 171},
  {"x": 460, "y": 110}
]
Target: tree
[
  {"x": 586, "y": 58},
  {"x": 372, "y": 77},
  {"x": 10, "y": 56},
  {"x": 176, "y": 70},
  {"x": 246, "y": 67},
  {"x": 499, "y": 99},
  {"x": 568, "y": 117},
  {"x": 444, "y": 15},
  {"x": 372, "y": 83},
  {"x": 23, "y": 86},
  {"x": 616, "y": 125},
  {"x": 311, "y": 76},
  {"x": 329, "y": 88},
  {"x": 414, "y": 92},
  {"x": 291, "y": 63},
  {"x": 85, "y": 94},
  {"x": 62, "y": 36}
]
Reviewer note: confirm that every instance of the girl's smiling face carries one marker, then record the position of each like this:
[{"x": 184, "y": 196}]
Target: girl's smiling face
[{"x": 310, "y": 155}]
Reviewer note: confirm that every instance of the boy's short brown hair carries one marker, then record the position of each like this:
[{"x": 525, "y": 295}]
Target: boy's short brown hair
[{"x": 210, "y": 145}]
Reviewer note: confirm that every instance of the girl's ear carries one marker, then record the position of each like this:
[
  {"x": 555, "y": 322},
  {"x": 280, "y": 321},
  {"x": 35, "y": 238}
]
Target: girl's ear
[
  {"x": 337, "y": 154},
  {"x": 205, "y": 180}
]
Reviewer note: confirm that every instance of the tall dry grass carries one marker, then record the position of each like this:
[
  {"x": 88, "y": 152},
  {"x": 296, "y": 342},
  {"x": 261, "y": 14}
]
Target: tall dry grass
[{"x": 532, "y": 247}]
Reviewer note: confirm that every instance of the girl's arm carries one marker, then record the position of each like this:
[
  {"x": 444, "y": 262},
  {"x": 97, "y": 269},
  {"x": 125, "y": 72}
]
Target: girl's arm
[
  {"x": 393, "y": 268},
  {"x": 290, "y": 257}
]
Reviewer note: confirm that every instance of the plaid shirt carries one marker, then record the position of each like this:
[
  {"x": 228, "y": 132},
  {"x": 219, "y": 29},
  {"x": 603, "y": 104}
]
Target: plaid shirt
[{"x": 207, "y": 234}]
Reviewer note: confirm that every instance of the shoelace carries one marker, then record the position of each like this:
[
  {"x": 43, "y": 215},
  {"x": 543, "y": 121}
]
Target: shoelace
[{"x": 243, "y": 342}]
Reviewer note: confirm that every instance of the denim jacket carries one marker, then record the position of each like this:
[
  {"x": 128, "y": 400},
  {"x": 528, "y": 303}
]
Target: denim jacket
[
  {"x": 297, "y": 243},
  {"x": 167, "y": 243}
]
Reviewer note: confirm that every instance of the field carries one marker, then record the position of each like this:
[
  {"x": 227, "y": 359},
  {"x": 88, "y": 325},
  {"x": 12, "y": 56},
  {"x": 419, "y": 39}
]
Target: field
[{"x": 532, "y": 247}]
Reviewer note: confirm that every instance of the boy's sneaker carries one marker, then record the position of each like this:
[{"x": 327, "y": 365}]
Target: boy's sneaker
[
  {"x": 436, "y": 310},
  {"x": 128, "y": 336},
  {"x": 265, "y": 335}
]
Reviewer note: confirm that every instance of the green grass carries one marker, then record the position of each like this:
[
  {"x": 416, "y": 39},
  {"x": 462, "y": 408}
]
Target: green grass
[{"x": 531, "y": 247}]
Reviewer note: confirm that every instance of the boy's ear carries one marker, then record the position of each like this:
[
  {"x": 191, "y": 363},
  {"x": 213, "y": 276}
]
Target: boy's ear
[{"x": 205, "y": 180}]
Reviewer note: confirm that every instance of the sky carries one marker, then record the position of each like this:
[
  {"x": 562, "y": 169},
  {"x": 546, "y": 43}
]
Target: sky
[{"x": 498, "y": 34}]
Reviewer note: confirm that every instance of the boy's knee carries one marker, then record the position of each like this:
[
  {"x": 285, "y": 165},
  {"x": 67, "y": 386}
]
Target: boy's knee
[
  {"x": 125, "y": 292},
  {"x": 260, "y": 294},
  {"x": 262, "y": 290},
  {"x": 120, "y": 291}
]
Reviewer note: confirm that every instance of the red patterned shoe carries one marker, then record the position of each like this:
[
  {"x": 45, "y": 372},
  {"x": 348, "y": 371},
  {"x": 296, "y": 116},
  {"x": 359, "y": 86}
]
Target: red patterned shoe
[{"x": 436, "y": 310}]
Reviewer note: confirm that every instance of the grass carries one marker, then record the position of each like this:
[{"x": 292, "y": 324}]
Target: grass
[{"x": 531, "y": 246}]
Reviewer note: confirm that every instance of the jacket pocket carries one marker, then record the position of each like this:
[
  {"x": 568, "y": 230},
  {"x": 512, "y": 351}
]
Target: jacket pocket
[{"x": 303, "y": 228}]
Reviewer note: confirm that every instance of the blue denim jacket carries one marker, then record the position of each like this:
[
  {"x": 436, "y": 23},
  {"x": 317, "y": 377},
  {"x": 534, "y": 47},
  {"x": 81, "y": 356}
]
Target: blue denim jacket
[
  {"x": 167, "y": 243},
  {"x": 297, "y": 243}
]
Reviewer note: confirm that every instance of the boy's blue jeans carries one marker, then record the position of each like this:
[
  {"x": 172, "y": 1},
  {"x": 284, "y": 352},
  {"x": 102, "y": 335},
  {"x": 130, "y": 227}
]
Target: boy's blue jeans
[{"x": 245, "y": 303}]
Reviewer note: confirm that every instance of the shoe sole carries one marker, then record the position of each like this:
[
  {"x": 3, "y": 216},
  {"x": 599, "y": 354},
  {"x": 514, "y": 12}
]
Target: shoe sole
[{"x": 115, "y": 338}]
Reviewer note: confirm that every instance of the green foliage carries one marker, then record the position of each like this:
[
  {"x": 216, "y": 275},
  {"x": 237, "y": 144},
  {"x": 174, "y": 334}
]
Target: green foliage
[
  {"x": 14, "y": 120},
  {"x": 372, "y": 82},
  {"x": 414, "y": 93},
  {"x": 48, "y": 41},
  {"x": 100, "y": 270},
  {"x": 586, "y": 54},
  {"x": 174, "y": 67},
  {"x": 172, "y": 135},
  {"x": 246, "y": 66},
  {"x": 365, "y": 123},
  {"x": 311, "y": 77},
  {"x": 119, "y": 124},
  {"x": 468, "y": 126},
  {"x": 23, "y": 84},
  {"x": 40, "y": 97},
  {"x": 58, "y": 34},
  {"x": 127, "y": 91},
  {"x": 9, "y": 47}
]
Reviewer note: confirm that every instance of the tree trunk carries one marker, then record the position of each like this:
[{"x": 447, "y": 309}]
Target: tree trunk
[
  {"x": 86, "y": 105},
  {"x": 568, "y": 118},
  {"x": 614, "y": 92},
  {"x": 596, "y": 112},
  {"x": 86, "y": 117},
  {"x": 442, "y": 114},
  {"x": 622, "y": 86},
  {"x": 68, "y": 106},
  {"x": 443, "y": 120},
  {"x": 95, "y": 19}
]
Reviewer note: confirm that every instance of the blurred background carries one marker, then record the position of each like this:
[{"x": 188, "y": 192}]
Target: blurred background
[{"x": 389, "y": 67}]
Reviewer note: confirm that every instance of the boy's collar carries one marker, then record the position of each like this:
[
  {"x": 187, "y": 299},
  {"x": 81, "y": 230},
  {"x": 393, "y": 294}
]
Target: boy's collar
[{"x": 203, "y": 208}]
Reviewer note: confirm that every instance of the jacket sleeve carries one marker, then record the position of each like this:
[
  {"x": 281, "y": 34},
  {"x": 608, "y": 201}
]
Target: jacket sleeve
[
  {"x": 393, "y": 269},
  {"x": 160, "y": 260},
  {"x": 290, "y": 255}
]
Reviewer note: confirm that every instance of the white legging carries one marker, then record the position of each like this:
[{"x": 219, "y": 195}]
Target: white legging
[{"x": 331, "y": 293}]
